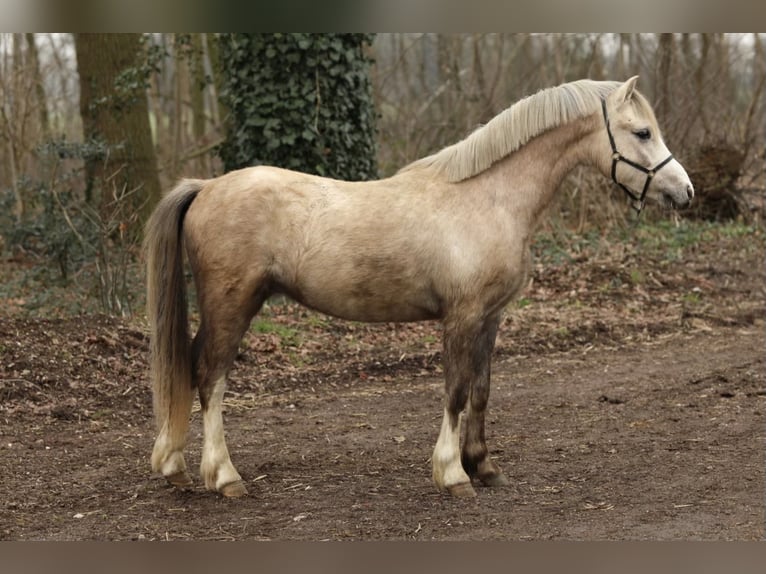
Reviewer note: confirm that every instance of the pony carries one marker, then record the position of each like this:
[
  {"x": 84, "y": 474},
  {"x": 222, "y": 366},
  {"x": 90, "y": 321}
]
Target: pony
[{"x": 446, "y": 238}]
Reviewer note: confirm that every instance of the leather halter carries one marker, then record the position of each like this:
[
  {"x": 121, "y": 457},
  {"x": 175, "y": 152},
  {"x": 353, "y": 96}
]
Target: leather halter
[{"x": 638, "y": 200}]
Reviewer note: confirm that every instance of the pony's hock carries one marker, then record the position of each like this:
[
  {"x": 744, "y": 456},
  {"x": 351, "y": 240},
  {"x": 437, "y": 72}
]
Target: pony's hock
[{"x": 457, "y": 227}]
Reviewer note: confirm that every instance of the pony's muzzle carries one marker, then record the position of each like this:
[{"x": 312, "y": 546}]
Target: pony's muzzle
[
  {"x": 686, "y": 196},
  {"x": 680, "y": 198}
]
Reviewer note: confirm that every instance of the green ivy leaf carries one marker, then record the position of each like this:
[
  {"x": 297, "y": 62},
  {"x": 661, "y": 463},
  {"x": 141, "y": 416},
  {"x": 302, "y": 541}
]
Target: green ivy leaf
[{"x": 301, "y": 101}]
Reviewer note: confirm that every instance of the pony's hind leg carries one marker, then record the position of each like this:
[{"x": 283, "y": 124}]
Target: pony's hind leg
[
  {"x": 216, "y": 468},
  {"x": 167, "y": 454},
  {"x": 215, "y": 347}
]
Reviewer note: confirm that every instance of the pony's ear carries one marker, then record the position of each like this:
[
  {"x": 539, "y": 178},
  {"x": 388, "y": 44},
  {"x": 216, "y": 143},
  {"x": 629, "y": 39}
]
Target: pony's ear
[{"x": 625, "y": 91}]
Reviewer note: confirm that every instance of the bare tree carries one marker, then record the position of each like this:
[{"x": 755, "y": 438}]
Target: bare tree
[
  {"x": 18, "y": 121},
  {"x": 665, "y": 57},
  {"x": 114, "y": 111},
  {"x": 37, "y": 80}
]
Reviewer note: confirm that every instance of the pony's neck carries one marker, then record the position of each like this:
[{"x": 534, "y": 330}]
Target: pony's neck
[{"x": 531, "y": 175}]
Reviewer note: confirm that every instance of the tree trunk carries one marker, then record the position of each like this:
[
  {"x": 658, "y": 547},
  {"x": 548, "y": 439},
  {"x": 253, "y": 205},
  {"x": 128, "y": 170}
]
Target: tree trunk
[
  {"x": 177, "y": 119},
  {"x": 13, "y": 130},
  {"x": 623, "y": 57},
  {"x": 197, "y": 87},
  {"x": 700, "y": 79},
  {"x": 664, "y": 80},
  {"x": 595, "y": 69},
  {"x": 42, "y": 102},
  {"x": 219, "y": 110},
  {"x": 114, "y": 109}
]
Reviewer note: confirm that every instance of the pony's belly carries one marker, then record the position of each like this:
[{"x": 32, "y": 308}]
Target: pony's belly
[{"x": 376, "y": 308}]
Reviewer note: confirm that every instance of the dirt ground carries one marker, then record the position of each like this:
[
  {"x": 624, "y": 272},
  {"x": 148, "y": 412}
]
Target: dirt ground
[{"x": 627, "y": 403}]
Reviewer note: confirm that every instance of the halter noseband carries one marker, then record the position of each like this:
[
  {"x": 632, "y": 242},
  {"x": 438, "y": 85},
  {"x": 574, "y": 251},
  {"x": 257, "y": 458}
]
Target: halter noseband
[{"x": 638, "y": 200}]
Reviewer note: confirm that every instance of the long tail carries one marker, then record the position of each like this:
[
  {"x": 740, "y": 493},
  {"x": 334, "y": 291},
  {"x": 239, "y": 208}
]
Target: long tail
[{"x": 171, "y": 362}]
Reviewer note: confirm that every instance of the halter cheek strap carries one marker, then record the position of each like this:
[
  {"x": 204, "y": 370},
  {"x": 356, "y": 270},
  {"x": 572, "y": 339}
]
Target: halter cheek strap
[{"x": 617, "y": 157}]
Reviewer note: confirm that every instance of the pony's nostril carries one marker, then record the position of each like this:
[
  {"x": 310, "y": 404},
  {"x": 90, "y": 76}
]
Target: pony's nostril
[{"x": 689, "y": 192}]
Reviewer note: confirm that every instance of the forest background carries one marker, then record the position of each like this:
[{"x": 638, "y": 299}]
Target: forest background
[{"x": 94, "y": 126}]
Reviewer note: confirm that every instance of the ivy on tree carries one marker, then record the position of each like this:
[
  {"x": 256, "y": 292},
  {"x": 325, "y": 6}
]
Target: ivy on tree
[{"x": 299, "y": 101}]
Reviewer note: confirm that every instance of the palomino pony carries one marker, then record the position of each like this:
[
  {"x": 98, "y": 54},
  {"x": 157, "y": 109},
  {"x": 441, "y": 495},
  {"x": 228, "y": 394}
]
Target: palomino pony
[{"x": 445, "y": 238}]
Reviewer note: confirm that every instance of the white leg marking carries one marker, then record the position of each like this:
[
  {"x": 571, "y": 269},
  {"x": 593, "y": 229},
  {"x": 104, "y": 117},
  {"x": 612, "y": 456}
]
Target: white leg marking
[
  {"x": 216, "y": 467},
  {"x": 447, "y": 469},
  {"x": 167, "y": 458}
]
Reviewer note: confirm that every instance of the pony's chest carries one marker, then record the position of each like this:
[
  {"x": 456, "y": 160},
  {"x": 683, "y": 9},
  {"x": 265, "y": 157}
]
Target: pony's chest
[{"x": 498, "y": 271}]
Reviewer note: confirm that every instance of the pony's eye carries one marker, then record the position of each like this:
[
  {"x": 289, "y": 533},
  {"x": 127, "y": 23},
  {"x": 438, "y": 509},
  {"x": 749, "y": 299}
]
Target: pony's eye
[{"x": 643, "y": 134}]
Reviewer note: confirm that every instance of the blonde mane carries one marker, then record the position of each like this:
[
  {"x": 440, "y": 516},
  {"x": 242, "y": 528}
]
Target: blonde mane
[{"x": 515, "y": 126}]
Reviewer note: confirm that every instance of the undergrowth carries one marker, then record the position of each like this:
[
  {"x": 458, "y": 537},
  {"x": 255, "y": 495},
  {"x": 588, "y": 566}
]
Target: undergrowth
[
  {"x": 34, "y": 287},
  {"x": 67, "y": 253},
  {"x": 665, "y": 240}
]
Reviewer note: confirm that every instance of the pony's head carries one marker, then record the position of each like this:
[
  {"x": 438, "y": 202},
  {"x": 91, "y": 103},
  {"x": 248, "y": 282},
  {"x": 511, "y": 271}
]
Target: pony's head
[{"x": 640, "y": 162}]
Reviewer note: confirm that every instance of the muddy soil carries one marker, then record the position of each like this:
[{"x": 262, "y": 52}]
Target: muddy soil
[{"x": 628, "y": 402}]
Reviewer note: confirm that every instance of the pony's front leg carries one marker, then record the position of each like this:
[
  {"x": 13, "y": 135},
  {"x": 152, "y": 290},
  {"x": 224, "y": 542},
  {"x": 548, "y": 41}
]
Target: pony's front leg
[
  {"x": 467, "y": 354},
  {"x": 475, "y": 455},
  {"x": 467, "y": 346},
  {"x": 448, "y": 472},
  {"x": 216, "y": 467}
]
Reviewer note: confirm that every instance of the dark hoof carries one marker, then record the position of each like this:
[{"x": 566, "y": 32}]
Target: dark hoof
[
  {"x": 234, "y": 489},
  {"x": 180, "y": 480},
  {"x": 463, "y": 490},
  {"x": 495, "y": 480}
]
